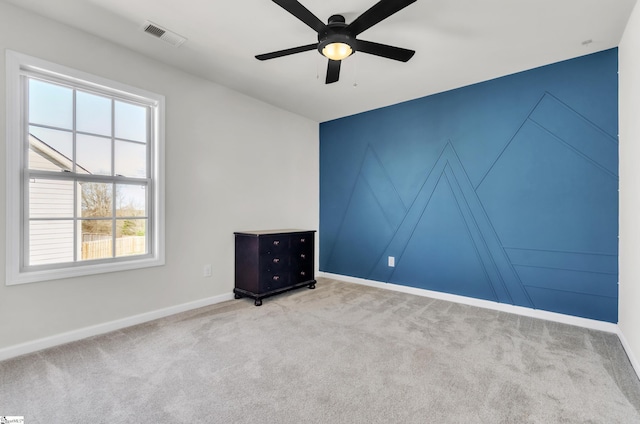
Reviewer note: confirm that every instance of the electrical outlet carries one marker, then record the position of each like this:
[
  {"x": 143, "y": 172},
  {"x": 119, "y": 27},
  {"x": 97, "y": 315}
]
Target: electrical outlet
[
  {"x": 392, "y": 261},
  {"x": 206, "y": 270}
]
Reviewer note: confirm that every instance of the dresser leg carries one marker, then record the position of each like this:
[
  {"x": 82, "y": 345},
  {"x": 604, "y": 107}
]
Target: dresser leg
[
  {"x": 237, "y": 296},
  {"x": 258, "y": 302},
  {"x": 312, "y": 285}
]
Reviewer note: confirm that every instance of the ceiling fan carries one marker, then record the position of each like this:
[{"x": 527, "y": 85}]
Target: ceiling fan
[{"x": 337, "y": 40}]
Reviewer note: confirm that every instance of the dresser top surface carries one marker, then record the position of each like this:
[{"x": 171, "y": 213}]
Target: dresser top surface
[{"x": 271, "y": 232}]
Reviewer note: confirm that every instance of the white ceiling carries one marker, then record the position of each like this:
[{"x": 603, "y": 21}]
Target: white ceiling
[{"x": 457, "y": 42}]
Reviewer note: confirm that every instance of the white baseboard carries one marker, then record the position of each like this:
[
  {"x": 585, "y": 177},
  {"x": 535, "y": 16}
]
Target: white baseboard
[
  {"x": 519, "y": 310},
  {"x": 627, "y": 348},
  {"x": 94, "y": 330},
  {"x": 503, "y": 307}
]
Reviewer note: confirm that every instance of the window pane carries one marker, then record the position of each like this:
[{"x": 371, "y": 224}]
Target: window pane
[
  {"x": 53, "y": 149},
  {"x": 93, "y": 154},
  {"x": 131, "y": 159},
  {"x": 50, "y": 242},
  {"x": 131, "y": 122},
  {"x": 131, "y": 200},
  {"x": 96, "y": 200},
  {"x": 50, "y": 198},
  {"x": 96, "y": 239},
  {"x": 93, "y": 113},
  {"x": 131, "y": 237},
  {"x": 50, "y": 104}
]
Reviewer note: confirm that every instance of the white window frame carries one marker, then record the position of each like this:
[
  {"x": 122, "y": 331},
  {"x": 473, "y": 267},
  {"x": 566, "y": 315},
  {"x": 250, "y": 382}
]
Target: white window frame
[{"x": 17, "y": 65}]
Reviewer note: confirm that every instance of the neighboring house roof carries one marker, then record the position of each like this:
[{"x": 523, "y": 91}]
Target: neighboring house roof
[{"x": 63, "y": 162}]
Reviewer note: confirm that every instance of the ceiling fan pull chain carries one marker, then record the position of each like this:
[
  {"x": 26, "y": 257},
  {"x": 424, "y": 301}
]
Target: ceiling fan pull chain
[{"x": 355, "y": 71}]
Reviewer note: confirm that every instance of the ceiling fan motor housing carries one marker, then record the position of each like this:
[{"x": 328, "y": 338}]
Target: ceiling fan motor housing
[{"x": 336, "y": 32}]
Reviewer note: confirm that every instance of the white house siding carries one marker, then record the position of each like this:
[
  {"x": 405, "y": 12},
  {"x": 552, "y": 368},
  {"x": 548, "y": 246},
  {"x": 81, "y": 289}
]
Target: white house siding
[{"x": 50, "y": 241}]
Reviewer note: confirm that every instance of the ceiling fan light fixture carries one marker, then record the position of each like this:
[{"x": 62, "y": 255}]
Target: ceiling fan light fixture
[
  {"x": 337, "y": 51},
  {"x": 336, "y": 44}
]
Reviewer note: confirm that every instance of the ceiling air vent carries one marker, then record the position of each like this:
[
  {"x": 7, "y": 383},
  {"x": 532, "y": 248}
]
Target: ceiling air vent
[{"x": 164, "y": 34}]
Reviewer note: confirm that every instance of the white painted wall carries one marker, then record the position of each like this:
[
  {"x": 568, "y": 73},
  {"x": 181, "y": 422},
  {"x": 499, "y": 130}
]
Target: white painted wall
[
  {"x": 232, "y": 163},
  {"x": 629, "y": 262}
]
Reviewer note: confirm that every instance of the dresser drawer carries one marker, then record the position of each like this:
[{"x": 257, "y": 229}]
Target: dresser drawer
[
  {"x": 302, "y": 242},
  {"x": 303, "y": 256},
  {"x": 274, "y": 281},
  {"x": 270, "y": 245},
  {"x": 275, "y": 262},
  {"x": 303, "y": 274}
]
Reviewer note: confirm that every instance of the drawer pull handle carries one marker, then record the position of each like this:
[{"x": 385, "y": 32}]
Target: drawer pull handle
[
  {"x": 276, "y": 277},
  {"x": 302, "y": 256},
  {"x": 276, "y": 242},
  {"x": 276, "y": 260},
  {"x": 303, "y": 273},
  {"x": 302, "y": 240}
]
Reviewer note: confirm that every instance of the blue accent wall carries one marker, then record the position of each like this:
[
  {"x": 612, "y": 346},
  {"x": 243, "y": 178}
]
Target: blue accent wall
[{"x": 505, "y": 190}]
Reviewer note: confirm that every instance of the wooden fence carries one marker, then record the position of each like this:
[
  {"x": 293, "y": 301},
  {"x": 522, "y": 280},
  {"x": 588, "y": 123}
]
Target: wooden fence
[{"x": 98, "y": 249}]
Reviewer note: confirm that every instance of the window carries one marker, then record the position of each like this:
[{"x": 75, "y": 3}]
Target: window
[{"x": 84, "y": 173}]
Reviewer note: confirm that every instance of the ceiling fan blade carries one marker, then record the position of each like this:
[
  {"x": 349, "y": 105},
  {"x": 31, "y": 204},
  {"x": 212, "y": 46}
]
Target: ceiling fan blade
[
  {"x": 302, "y": 13},
  {"x": 378, "y": 12},
  {"x": 333, "y": 71},
  {"x": 287, "y": 52},
  {"x": 383, "y": 50}
]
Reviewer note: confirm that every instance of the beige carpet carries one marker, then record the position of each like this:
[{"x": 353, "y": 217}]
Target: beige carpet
[{"x": 342, "y": 353}]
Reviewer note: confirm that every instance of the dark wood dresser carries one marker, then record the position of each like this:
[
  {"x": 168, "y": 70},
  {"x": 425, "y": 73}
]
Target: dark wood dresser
[{"x": 271, "y": 262}]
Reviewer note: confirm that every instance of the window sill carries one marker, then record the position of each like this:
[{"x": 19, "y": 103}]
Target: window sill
[{"x": 34, "y": 276}]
